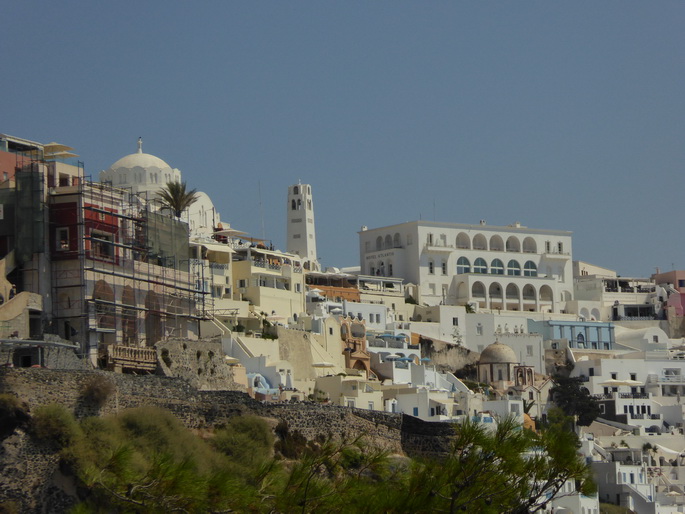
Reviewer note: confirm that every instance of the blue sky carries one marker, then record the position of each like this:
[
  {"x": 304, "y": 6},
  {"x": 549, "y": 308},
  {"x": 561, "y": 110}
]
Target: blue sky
[{"x": 558, "y": 115}]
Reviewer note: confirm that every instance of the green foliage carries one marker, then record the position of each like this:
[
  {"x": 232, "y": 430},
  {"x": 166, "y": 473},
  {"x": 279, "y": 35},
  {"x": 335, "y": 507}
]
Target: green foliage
[
  {"x": 570, "y": 396},
  {"x": 608, "y": 508},
  {"x": 246, "y": 439},
  {"x": 476, "y": 386},
  {"x": 334, "y": 476},
  {"x": 484, "y": 471},
  {"x": 467, "y": 372},
  {"x": 177, "y": 198},
  {"x": 55, "y": 423},
  {"x": 10, "y": 507},
  {"x": 145, "y": 460},
  {"x": 97, "y": 390},
  {"x": 507, "y": 469},
  {"x": 13, "y": 413}
]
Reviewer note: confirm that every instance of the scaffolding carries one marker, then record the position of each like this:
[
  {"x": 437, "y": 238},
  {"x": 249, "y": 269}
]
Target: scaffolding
[{"x": 121, "y": 271}]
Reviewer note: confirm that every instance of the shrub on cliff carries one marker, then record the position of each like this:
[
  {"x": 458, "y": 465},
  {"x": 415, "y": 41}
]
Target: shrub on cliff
[
  {"x": 13, "y": 413},
  {"x": 246, "y": 439},
  {"x": 97, "y": 390},
  {"x": 55, "y": 423},
  {"x": 146, "y": 460}
]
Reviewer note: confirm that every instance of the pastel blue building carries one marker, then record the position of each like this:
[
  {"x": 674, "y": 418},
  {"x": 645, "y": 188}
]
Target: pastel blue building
[{"x": 596, "y": 335}]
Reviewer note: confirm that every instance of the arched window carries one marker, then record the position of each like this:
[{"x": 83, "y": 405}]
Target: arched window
[
  {"x": 463, "y": 265},
  {"x": 296, "y": 190},
  {"x": 397, "y": 241},
  {"x": 581, "y": 341},
  {"x": 530, "y": 269},
  {"x": 478, "y": 290},
  {"x": 513, "y": 244},
  {"x": 480, "y": 266},
  {"x": 514, "y": 268},
  {"x": 379, "y": 243},
  {"x": 529, "y": 245},
  {"x": 372, "y": 268},
  {"x": 388, "y": 241},
  {"x": 496, "y": 244},
  {"x": 479, "y": 242},
  {"x": 497, "y": 267},
  {"x": 463, "y": 241},
  {"x": 529, "y": 292}
]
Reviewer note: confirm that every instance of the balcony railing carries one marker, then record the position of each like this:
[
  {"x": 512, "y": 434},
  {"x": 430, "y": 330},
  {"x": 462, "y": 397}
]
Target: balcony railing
[
  {"x": 672, "y": 379},
  {"x": 266, "y": 265},
  {"x": 644, "y": 416}
]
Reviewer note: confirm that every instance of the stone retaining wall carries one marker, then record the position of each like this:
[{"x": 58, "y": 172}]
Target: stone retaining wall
[{"x": 28, "y": 470}]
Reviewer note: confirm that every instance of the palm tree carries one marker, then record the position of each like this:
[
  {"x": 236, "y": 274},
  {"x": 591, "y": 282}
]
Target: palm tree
[{"x": 175, "y": 197}]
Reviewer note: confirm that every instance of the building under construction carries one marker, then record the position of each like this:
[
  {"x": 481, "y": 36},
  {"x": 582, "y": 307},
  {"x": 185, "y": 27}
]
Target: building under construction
[{"x": 94, "y": 264}]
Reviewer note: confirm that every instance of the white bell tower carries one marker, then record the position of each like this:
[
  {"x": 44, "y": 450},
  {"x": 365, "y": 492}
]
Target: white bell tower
[{"x": 301, "y": 233}]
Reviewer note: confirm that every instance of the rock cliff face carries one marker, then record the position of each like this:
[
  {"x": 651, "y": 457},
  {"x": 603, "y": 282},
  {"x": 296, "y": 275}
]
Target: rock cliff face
[
  {"x": 447, "y": 357},
  {"x": 30, "y": 477}
]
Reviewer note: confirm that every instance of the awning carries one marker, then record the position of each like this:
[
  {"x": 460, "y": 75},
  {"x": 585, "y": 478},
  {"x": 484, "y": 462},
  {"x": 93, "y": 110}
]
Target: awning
[
  {"x": 668, "y": 450},
  {"x": 216, "y": 247},
  {"x": 56, "y": 147},
  {"x": 228, "y": 232},
  {"x": 59, "y": 155},
  {"x": 281, "y": 255}
]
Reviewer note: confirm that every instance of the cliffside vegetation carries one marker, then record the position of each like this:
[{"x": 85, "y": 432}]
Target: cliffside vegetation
[
  {"x": 145, "y": 460},
  {"x": 575, "y": 400}
]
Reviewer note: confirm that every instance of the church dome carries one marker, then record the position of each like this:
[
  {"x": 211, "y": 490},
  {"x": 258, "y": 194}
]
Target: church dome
[
  {"x": 141, "y": 172},
  {"x": 139, "y": 160},
  {"x": 498, "y": 353}
]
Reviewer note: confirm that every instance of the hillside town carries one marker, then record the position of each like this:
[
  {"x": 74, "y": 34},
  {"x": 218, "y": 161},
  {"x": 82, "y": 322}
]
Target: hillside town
[{"x": 442, "y": 321}]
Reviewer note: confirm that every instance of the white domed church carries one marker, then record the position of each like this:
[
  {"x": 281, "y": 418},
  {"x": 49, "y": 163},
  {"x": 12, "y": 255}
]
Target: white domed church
[
  {"x": 145, "y": 174},
  {"x": 141, "y": 172}
]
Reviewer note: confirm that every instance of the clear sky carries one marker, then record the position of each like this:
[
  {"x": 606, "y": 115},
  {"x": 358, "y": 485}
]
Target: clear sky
[{"x": 559, "y": 115}]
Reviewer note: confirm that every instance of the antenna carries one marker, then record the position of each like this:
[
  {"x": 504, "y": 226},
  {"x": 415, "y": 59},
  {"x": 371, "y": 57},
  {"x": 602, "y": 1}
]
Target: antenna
[{"x": 261, "y": 206}]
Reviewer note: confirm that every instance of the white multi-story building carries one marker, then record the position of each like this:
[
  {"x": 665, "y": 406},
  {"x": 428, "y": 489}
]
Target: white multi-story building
[{"x": 511, "y": 268}]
